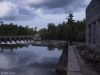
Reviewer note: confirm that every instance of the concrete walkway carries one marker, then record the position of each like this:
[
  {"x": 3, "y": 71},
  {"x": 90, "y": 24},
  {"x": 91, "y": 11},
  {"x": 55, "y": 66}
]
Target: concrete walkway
[{"x": 73, "y": 64}]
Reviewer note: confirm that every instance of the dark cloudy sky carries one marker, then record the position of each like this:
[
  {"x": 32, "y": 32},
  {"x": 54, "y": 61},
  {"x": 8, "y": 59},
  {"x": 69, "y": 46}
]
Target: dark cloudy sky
[{"x": 40, "y": 12}]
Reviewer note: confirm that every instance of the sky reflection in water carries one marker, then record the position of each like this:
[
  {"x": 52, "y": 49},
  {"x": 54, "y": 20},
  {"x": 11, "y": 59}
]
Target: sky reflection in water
[{"x": 31, "y": 60}]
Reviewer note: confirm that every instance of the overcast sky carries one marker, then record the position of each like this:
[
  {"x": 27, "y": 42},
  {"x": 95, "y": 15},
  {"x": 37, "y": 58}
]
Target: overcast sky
[{"x": 40, "y": 12}]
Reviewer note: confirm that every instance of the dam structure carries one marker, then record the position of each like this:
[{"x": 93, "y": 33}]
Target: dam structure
[{"x": 19, "y": 39}]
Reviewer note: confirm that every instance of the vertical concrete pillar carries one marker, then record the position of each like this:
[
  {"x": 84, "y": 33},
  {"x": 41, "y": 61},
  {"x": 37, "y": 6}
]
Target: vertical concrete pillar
[
  {"x": 93, "y": 30},
  {"x": 91, "y": 34},
  {"x": 94, "y": 33},
  {"x": 88, "y": 33},
  {"x": 97, "y": 32}
]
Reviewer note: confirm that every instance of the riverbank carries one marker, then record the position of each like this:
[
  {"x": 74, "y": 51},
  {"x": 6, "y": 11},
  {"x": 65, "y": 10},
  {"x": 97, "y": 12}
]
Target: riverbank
[
  {"x": 54, "y": 43},
  {"x": 49, "y": 43}
]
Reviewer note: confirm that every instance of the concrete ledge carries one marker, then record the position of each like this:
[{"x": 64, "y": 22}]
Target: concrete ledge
[{"x": 73, "y": 64}]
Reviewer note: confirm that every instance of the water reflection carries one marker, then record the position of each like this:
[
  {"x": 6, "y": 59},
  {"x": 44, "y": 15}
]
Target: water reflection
[
  {"x": 15, "y": 47},
  {"x": 52, "y": 48},
  {"x": 11, "y": 47},
  {"x": 28, "y": 60}
]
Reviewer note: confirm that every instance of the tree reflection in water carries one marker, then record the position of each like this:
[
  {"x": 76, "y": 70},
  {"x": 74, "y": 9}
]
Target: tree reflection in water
[
  {"x": 11, "y": 47},
  {"x": 15, "y": 47},
  {"x": 52, "y": 48}
]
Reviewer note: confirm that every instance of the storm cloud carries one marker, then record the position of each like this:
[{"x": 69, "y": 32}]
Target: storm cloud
[
  {"x": 53, "y": 4},
  {"x": 28, "y": 9}
]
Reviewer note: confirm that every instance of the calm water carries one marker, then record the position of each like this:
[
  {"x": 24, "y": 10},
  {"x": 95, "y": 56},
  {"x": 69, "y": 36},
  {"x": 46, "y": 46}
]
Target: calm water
[{"x": 28, "y": 60}]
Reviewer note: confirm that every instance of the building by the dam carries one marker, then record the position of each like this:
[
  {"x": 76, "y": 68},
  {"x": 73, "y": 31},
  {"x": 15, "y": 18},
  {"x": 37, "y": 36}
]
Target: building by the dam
[{"x": 93, "y": 22}]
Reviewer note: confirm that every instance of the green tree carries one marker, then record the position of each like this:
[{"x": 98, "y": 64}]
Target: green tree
[
  {"x": 51, "y": 31},
  {"x": 43, "y": 33}
]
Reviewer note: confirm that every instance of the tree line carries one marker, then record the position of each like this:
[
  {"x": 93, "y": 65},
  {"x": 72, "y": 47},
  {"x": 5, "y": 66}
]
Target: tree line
[
  {"x": 69, "y": 31},
  {"x": 15, "y": 30}
]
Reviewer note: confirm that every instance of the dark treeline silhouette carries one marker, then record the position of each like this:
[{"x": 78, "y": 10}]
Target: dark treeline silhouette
[
  {"x": 15, "y": 30},
  {"x": 69, "y": 31},
  {"x": 11, "y": 47}
]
